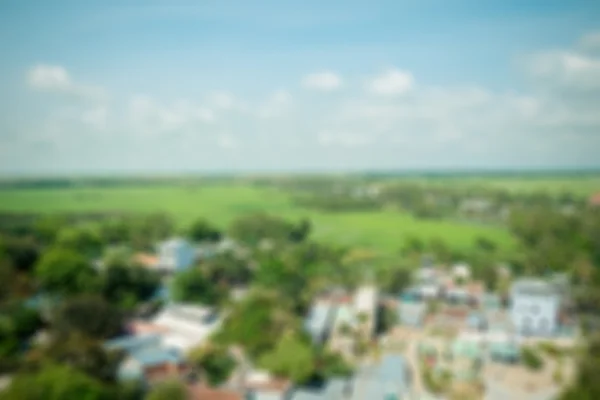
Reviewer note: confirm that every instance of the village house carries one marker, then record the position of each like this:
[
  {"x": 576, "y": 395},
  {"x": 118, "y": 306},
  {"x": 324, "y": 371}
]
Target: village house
[
  {"x": 535, "y": 306},
  {"x": 173, "y": 255},
  {"x": 181, "y": 327}
]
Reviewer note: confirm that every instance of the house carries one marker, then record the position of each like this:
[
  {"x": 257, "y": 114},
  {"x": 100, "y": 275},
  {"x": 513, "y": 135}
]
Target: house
[
  {"x": 146, "y": 359},
  {"x": 260, "y": 385},
  {"x": 336, "y": 388},
  {"x": 411, "y": 313},
  {"x": 202, "y": 392},
  {"x": 365, "y": 303},
  {"x": 181, "y": 327},
  {"x": 175, "y": 255},
  {"x": 319, "y": 322},
  {"x": 535, "y": 306},
  {"x": 461, "y": 272},
  {"x": 389, "y": 379}
]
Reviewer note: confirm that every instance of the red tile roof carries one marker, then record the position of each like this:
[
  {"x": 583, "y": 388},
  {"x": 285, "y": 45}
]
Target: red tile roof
[{"x": 200, "y": 392}]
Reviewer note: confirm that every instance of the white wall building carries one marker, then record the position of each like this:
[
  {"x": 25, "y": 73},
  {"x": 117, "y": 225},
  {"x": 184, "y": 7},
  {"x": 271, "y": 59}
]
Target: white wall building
[
  {"x": 175, "y": 255},
  {"x": 535, "y": 306},
  {"x": 186, "y": 326}
]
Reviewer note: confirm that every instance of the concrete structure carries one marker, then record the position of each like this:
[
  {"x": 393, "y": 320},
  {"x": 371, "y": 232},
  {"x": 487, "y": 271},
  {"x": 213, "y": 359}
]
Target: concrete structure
[
  {"x": 175, "y": 255},
  {"x": 461, "y": 271},
  {"x": 320, "y": 320},
  {"x": 146, "y": 359},
  {"x": 411, "y": 313},
  {"x": 261, "y": 385},
  {"x": 535, "y": 306},
  {"x": 186, "y": 326}
]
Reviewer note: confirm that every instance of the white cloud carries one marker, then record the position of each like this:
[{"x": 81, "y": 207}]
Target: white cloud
[
  {"x": 324, "y": 81},
  {"x": 275, "y": 105},
  {"x": 55, "y": 78},
  {"x": 329, "y": 138},
  {"x": 96, "y": 117},
  {"x": 590, "y": 42},
  {"x": 148, "y": 115},
  {"x": 391, "y": 83},
  {"x": 222, "y": 100},
  {"x": 566, "y": 69},
  {"x": 227, "y": 142}
]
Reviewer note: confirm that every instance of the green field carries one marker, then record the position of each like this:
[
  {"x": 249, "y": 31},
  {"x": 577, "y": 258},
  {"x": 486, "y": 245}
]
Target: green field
[{"x": 382, "y": 231}]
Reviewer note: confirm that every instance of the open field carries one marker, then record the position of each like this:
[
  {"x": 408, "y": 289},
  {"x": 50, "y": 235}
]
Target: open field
[{"x": 382, "y": 231}]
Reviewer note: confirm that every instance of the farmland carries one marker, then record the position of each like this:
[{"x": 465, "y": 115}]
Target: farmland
[{"x": 380, "y": 230}]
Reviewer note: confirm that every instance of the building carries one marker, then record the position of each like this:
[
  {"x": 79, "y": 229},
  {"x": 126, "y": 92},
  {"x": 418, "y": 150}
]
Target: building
[
  {"x": 334, "y": 389},
  {"x": 461, "y": 271},
  {"x": 201, "y": 392},
  {"x": 175, "y": 255},
  {"x": 261, "y": 385},
  {"x": 535, "y": 307},
  {"x": 181, "y": 327},
  {"x": 146, "y": 359},
  {"x": 389, "y": 379},
  {"x": 319, "y": 322},
  {"x": 365, "y": 304},
  {"x": 411, "y": 313}
]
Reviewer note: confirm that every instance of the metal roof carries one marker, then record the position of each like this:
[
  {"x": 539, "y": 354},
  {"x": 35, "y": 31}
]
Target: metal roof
[
  {"x": 132, "y": 343},
  {"x": 534, "y": 287},
  {"x": 156, "y": 355}
]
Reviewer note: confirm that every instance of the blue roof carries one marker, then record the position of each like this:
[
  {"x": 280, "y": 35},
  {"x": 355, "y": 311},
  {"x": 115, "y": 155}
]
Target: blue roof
[
  {"x": 132, "y": 343},
  {"x": 392, "y": 368},
  {"x": 411, "y": 314},
  {"x": 318, "y": 319},
  {"x": 156, "y": 355}
]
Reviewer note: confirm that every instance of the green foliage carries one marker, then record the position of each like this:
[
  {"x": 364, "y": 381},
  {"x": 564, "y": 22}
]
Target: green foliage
[
  {"x": 22, "y": 253},
  {"x": 84, "y": 239},
  {"x": 215, "y": 363},
  {"x": 126, "y": 285},
  {"x": 251, "y": 229},
  {"x": 228, "y": 269},
  {"x": 532, "y": 359},
  {"x": 292, "y": 358},
  {"x": 586, "y": 385},
  {"x": 78, "y": 352},
  {"x": 65, "y": 272},
  {"x": 89, "y": 315},
  {"x": 193, "y": 286},
  {"x": 256, "y": 323},
  {"x": 169, "y": 390},
  {"x": 331, "y": 365},
  {"x": 203, "y": 231},
  {"x": 54, "y": 382}
]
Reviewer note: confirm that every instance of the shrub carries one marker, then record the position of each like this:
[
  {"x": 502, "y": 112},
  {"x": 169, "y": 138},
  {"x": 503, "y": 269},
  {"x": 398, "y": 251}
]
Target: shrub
[{"x": 531, "y": 359}]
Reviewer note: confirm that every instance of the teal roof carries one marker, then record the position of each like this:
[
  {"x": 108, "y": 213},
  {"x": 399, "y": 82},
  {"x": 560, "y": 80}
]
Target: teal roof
[
  {"x": 132, "y": 343},
  {"x": 156, "y": 356},
  {"x": 461, "y": 348},
  {"x": 504, "y": 350}
]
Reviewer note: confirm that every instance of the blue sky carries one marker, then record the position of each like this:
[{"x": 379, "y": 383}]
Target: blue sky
[{"x": 186, "y": 86}]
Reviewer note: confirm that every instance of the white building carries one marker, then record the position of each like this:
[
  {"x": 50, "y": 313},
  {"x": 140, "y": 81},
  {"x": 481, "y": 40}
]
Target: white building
[
  {"x": 535, "y": 305},
  {"x": 175, "y": 255},
  {"x": 186, "y": 326},
  {"x": 461, "y": 271}
]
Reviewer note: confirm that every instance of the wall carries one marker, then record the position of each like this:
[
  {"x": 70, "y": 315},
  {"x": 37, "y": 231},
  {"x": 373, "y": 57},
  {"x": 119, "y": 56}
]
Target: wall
[{"x": 534, "y": 314}]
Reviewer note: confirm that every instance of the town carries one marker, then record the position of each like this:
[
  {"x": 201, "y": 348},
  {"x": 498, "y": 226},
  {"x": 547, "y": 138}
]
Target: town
[{"x": 265, "y": 312}]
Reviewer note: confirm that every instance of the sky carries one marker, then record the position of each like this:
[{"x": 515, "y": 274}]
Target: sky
[{"x": 130, "y": 87}]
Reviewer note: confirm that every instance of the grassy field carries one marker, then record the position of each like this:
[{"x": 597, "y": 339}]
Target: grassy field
[{"x": 381, "y": 231}]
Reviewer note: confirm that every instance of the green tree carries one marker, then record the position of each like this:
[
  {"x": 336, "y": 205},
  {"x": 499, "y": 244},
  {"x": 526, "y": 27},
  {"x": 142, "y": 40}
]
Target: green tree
[
  {"x": 127, "y": 285},
  {"x": 228, "y": 269},
  {"x": 168, "y": 390},
  {"x": 80, "y": 353},
  {"x": 203, "y": 231},
  {"x": 214, "y": 362},
  {"x": 292, "y": 358},
  {"x": 21, "y": 252},
  {"x": 89, "y": 315},
  {"x": 193, "y": 286},
  {"x": 84, "y": 239},
  {"x": 251, "y": 229},
  {"x": 256, "y": 323},
  {"x": 63, "y": 271},
  {"x": 54, "y": 382}
]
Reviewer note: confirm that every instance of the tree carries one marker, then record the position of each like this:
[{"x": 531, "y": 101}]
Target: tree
[
  {"x": 63, "y": 271},
  {"x": 55, "y": 382},
  {"x": 485, "y": 244},
  {"x": 215, "y": 363},
  {"x": 586, "y": 385},
  {"x": 168, "y": 390},
  {"x": 21, "y": 253},
  {"x": 80, "y": 353},
  {"x": 17, "y": 325},
  {"x": 192, "y": 286},
  {"x": 251, "y": 229},
  {"x": 292, "y": 358},
  {"x": 127, "y": 285},
  {"x": 83, "y": 239},
  {"x": 256, "y": 323},
  {"x": 229, "y": 269},
  {"x": 203, "y": 231},
  {"x": 301, "y": 232},
  {"x": 89, "y": 315}
]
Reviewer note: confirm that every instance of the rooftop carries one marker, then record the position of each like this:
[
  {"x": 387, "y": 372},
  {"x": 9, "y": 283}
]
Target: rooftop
[
  {"x": 200, "y": 392},
  {"x": 533, "y": 287}
]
